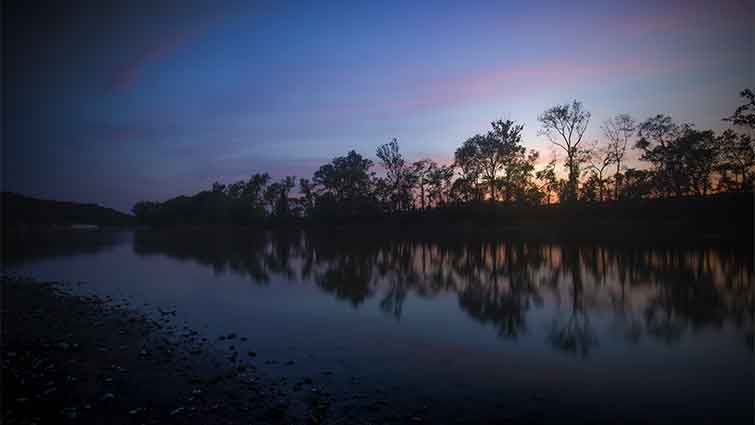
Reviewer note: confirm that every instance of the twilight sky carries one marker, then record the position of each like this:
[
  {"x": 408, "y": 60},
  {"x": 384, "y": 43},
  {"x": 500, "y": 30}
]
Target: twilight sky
[{"x": 152, "y": 99}]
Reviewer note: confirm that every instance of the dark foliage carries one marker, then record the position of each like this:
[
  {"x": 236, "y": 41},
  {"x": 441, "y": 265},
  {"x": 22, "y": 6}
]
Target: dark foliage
[
  {"x": 495, "y": 174},
  {"x": 23, "y": 211}
]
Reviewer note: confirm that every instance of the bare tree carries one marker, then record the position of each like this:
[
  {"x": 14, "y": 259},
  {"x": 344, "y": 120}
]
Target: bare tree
[
  {"x": 421, "y": 170},
  {"x": 601, "y": 157},
  {"x": 618, "y": 130},
  {"x": 565, "y": 125}
]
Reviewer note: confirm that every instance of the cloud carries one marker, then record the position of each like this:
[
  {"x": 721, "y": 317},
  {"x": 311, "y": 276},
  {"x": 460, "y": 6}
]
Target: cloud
[
  {"x": 158, "y": 48},
  {"x": 501, "y": 80},
  {"x": 124, "y": 76}
]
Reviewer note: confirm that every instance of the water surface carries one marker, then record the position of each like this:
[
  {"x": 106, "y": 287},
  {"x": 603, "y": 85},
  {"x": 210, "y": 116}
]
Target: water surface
[{"x": 488, "y": 328}]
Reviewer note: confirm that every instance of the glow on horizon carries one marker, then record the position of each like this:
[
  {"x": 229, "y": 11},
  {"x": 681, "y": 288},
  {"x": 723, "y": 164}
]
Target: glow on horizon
[{"x": 151, "y": 106}]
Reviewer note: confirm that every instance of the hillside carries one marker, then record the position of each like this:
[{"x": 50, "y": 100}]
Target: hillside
[{"x": 19, "y": 210}]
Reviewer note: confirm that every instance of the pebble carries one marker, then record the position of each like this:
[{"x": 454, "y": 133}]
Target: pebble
[{"x": 70, "y": 412}]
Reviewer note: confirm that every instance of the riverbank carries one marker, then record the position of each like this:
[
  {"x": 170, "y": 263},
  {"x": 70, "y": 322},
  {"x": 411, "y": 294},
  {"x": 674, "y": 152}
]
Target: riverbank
[
  {"x": 97, "y": 360},
  {"x": 71, "y": 358}
]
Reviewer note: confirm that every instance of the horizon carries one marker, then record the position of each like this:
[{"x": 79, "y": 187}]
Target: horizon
[{"x": 149, "y": 102}]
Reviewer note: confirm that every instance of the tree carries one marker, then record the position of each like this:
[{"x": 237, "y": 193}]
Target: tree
[
  {"x": 345, "y": 178},
  {"x": 549, "y": 183},
  {"x": 308, "y": 195},
  {"x": 565, "y": 126},
  {"x": 421, "y": 170},
  {"x": 439, "y": 179},
  {"x": 517, "y": 185},
  {"x": 683, "y": 158},
  {"x": 465, "y": 188},
  {"x": 591, "y": 188},
  {"x": 618, "y": 130},
  {"x": 737, "y": 156},
  {"x": 736, "y": 161},
  {"x": 276, "y": 196},
  {"x": 399, "y": 179},
  {"x": 491, "y": 153},
  {"x": 255, "y": 188},
  {"x": 744, "y": 116},
  {"x": 600, "y": 159}
]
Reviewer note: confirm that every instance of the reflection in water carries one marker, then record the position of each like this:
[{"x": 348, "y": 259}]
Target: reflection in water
[
  {"x": 20, "y": 247},
  {"x": 661, "y": 293}
]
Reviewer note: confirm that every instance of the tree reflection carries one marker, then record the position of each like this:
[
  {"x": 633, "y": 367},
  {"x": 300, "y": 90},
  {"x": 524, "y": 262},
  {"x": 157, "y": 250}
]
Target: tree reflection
[{"x": 661, "y": 293}]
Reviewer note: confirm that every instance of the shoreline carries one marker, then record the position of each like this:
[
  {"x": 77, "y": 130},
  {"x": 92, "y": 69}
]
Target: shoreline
[
  {"x": 97, "y": 360},
  {"x": 70, "y": 358}
]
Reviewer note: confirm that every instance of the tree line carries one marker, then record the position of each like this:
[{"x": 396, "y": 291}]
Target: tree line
[{"x": 493, "y": 167}]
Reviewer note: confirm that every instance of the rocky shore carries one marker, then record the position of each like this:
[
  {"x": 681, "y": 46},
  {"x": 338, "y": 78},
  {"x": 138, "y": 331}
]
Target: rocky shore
[{"x": 86, "y": 359}]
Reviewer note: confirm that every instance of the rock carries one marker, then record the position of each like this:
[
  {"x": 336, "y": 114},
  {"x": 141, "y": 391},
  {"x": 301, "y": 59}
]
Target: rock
[
  {"x": 416, "y": 419},
  {"x": 107, "y": 396},
  {"x": 64, "y": 346},
  {"x": 174, "y": 412},
  {"x": 69, "y": 412},
  {"x": 231, "y": 335}
]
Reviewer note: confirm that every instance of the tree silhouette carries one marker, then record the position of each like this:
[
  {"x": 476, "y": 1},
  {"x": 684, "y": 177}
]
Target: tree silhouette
[
  {"x": 736, "y": 163},
  {"x": 618, "y": 130},
  {"x": 600, "y": 158},
  {"x": 744, "y": 116},
  {"x": 399, "y": 178},
  {"x": 489, "y": 154},
  {"x": 565, "y": 126}
]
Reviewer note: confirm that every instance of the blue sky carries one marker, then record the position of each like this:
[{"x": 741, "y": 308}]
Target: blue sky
[{"x": 155, "y": 99}]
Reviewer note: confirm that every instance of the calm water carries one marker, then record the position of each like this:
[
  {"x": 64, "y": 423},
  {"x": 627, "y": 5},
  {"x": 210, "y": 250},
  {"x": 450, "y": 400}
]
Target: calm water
[{"x": 493, "y": 328}]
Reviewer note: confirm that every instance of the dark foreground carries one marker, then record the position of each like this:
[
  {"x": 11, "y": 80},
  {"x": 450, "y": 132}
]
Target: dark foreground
[{"x": 86, "y": 359}]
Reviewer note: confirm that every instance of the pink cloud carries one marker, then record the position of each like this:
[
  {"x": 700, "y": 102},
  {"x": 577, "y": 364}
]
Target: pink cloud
[
  {"x": 492, "y": 82},
  {"x": 162, "y": 47},
  {"x": 125, "y": 76}
]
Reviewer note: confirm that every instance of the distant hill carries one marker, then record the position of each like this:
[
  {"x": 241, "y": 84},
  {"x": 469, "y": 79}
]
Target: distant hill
[{"x": 19, "y": 210}]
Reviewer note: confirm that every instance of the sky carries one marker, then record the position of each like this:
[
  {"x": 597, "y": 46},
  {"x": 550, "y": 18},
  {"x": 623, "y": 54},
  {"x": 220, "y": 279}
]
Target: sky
[{"x": 147, "y": 100}]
